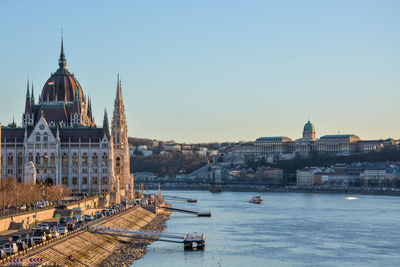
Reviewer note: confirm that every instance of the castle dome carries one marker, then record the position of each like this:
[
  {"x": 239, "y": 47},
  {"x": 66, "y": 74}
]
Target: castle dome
[
  {"x": 309, "y": 127},
  {"x": 62, "y": 85}
]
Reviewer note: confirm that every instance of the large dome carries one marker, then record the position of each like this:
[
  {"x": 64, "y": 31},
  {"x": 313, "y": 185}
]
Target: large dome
[
  {"x": 62, "y": 85},
  {"x": 309, "y": 127}
]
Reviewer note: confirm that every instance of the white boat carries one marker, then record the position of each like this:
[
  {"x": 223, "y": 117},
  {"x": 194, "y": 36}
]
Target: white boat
[{"x": 257, "y": 200}]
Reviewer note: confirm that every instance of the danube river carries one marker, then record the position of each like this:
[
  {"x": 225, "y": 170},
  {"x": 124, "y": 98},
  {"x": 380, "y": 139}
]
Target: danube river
[{"x": 289, "y": 229}]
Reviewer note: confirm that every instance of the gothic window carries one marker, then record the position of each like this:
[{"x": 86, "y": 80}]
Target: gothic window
[
  {"x": 105, "y": 180},
  {"x": 95, "y": 159},
  {"x": 45, "y": 171},
  {"x": 10, "y": 159},
  {"x": 84, "y": 180},
  {"x": 84, "y": 170},
  {"x": 30, "y": 157},
  {"x": 37, "y": 159},
  {"x": 45, "y": 159},
  {"x": 65, "y": 159},
  {"x": 105, "y": 160},
  {"x": 74, "y": 180},
  {"x": 84, "y": 159},
  {"x": 45, "y": 137},
  {"x": 75, "y": 170},
  {"x": 19, "y": 158},
  {"x": 64, "y": 180},
  {"x": 104, "y": 170},
  {"x": 52, "y": 159},
  {"x": 94, "y": 180},
  {"x": 94, "y": 170},
  {"x": 65, "y": 170},
  {"x": 53, "y": 170},
  {"x": 38, "y": 137},
  {"x": 74, "y": 159},
  {"x": 118, "y": 165}
]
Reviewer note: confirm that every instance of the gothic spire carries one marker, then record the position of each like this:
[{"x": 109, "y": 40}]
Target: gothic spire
[
  {"x": 32, "y": 96},
  {"x": 105, "y": 122},
  {"x": 28, "y": 99},
  {"x": 62, "y": 62}
]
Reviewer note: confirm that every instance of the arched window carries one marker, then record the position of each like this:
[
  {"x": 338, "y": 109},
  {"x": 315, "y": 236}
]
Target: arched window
[
  {"x": 19, "y": 158},
  {"x": 74, "y": 159},
  {"x": 37, "y": 159},
  {"x": 45, "y": 137},
  {"x": 84, "y": 180},
  {"x": 84, "y": 159},
  {"x": 64, "y": 180},
  {"x": 37, "y": 137},
  {"x": 105, "y": 180},
  {"x": 30, "y": 157},
  {"x": 95, "y": 160},
  {"x": 74, "y": 180},
  {"x": 52, "y": 159},
  {"x": 10, "y": 159},
  {"x": 118, "y": 165},
  {"x": 94, "y": 180},
  {"x": 45, "y": 159},
  {"x": 65, "y": 159},
  {"x": 105, "y": 160}
]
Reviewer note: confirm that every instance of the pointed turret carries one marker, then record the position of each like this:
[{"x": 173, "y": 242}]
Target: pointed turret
[
  {"x": 32, "y": 96},
  {"x": 28, "y": 99},
  {"x": 106, "y": 127},
  {"x": 62, "y": 62}
]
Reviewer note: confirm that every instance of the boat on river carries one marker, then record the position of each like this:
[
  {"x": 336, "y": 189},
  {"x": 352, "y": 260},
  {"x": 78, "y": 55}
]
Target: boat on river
[{"x": 257, "y": 200}]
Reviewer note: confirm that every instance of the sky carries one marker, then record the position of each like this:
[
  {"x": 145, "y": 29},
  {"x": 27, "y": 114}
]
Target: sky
[{"x": 206, "y": 71}]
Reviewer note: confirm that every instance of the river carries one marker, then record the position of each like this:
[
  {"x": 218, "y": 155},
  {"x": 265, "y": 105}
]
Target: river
[{"x": 289, "y": 229}]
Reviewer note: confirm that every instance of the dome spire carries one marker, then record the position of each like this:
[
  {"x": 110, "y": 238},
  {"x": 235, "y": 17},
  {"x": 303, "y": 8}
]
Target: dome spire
[{"x": 62, "y": 62}]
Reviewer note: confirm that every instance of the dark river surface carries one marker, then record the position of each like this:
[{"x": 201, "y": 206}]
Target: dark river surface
[{"x": 289, "y": 229}]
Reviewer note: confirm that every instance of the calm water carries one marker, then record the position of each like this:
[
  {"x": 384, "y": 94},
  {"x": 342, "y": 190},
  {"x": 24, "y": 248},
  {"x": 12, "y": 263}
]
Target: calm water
[{"x": 290, "y": 229}]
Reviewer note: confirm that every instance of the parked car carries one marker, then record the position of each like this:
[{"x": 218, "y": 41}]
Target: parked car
[
  {"x": 55, "y": 234},
  {"x": 62, "y": 230},
  {"x": 44, "y": 226},
  {"x": 39, "y": 236},
  {"x": 89, "y": 218},
  {"x": 2, "y": 254},
  {"x": 47, "y": 233},
  {"x": 10, "y": 248},
  {"x": 29, "y": 242},
  {"x": 70, "y": 226},
  {"x": 17, "y": 239}
]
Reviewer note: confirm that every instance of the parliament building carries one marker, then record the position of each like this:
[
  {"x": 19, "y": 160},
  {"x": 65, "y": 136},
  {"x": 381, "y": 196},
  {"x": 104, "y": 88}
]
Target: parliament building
[{"x": 60, "y": 139}]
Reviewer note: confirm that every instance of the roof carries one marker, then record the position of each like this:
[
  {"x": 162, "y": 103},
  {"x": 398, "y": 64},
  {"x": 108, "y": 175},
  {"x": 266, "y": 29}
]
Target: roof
[
  {"x": 339, "y": 136},
  {"x": 275, "y": 138},
  {"x": 309, "y": 127}
]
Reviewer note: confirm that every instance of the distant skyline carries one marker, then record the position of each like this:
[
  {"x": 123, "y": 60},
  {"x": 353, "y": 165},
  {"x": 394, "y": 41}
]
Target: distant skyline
[{"x": 205, "y": 71}]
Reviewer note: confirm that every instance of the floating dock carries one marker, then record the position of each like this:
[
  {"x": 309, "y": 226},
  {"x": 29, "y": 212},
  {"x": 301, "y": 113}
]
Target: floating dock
[
  {"x": 190, "y": 241},
  {"x": 198, "y": 213}
]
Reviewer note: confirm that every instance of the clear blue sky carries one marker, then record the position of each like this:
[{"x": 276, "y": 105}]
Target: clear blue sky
[{"x": 198, "y": 71}]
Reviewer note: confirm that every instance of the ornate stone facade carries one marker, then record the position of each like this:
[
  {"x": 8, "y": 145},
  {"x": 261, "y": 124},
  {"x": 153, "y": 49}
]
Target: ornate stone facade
[{"x": 60, "y": 137}]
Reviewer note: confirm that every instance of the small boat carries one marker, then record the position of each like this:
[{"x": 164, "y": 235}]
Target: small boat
[
  {"x": 191, "y": 200},
  {"x": 257, "y": 200}
]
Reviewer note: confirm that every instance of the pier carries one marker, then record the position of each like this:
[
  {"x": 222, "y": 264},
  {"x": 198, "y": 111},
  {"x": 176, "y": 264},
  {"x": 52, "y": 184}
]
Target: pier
[
  {"x": 197, "y": 212},
  {"x": 190, "y": 241}
]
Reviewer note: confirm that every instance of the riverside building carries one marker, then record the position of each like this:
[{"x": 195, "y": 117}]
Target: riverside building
[
  {"x": 282, "y": 147},
  {"x": 60, "y": 137}
]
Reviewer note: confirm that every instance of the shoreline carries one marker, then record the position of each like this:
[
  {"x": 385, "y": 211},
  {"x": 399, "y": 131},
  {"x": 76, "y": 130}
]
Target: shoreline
[
  {"x": 132, "y": 250},
  {"x": 258, "y": 188}
]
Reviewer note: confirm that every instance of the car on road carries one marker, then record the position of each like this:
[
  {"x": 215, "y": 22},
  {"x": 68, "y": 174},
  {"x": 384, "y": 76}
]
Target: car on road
[
  {"x": 63, "y": 220},
  {"x": 44, "y": 226},
  {"x": 47, "y": 233},
  {"x": 71, "y": 226},
  {"x": 10, "y": 248},
  {"x": 39, "y": 236},
  {"x": 63, "y": 230},
  {"x": 17, "y": 239}
]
